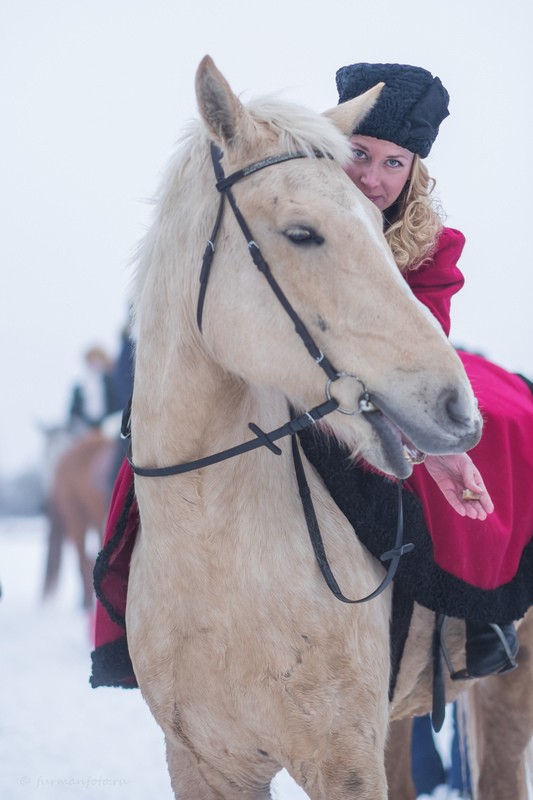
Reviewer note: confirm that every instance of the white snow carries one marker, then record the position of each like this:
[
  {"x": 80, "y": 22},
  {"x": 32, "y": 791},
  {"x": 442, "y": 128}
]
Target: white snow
[{"x": 61, "y": 738}]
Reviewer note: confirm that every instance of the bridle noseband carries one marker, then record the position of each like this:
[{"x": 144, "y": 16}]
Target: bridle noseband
[{"x": 297, "y": 423}]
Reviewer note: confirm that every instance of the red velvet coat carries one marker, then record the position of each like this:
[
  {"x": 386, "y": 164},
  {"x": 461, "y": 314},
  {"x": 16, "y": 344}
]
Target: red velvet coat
[{"x": 486, "y": 553}]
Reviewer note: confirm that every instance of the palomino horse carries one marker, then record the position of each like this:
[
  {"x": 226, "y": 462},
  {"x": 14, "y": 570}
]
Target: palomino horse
[
  {"x": 247, "y": 661},
  {"x": 76, "y": 504}
]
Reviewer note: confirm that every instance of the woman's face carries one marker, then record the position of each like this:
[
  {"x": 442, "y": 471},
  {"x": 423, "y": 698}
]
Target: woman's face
[{"x": 380, "y": 169}]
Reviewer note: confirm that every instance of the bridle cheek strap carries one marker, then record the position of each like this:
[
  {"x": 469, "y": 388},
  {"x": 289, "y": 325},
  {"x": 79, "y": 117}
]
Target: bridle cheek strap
[
  {"x": 207, "y": 260},
  {"x": 224, "y": 185}
]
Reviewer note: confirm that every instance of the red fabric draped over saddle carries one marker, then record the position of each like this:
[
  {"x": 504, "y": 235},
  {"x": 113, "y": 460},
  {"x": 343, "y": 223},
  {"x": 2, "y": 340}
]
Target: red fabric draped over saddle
[
  {"x": 111, "y": 661},
  {"x": 113, "y": 583},
  {"x": 485, "y": 554}
]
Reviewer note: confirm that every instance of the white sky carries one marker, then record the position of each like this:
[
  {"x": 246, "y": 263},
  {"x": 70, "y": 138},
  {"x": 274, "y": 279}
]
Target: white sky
[{"x": 96, "y": 92}]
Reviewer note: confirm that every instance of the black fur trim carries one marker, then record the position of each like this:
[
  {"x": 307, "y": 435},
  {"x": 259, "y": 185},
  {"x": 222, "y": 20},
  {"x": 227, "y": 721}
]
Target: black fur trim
[
  {"x": 111, "y": 666},
  {"x": 369, "y": 502}
]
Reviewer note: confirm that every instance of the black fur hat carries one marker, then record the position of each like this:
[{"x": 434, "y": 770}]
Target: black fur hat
[{"x": 410, "y": 108}]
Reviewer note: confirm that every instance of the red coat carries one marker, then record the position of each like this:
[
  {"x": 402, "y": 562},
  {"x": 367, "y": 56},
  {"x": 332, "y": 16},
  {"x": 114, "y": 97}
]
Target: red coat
[{"x": 486, "y": 553}]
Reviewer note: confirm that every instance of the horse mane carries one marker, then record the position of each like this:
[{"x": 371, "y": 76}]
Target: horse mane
[{"x": 188, "y": 183}]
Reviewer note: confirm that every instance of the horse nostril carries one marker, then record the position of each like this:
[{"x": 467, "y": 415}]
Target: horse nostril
[{"x": 459, "y": 407}]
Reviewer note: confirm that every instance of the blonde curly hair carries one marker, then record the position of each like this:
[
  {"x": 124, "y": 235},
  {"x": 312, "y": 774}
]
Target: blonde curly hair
[{"x": 416, "y": 220}]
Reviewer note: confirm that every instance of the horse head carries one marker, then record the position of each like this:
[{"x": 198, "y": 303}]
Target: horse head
[{"x": 396, "y": 377}]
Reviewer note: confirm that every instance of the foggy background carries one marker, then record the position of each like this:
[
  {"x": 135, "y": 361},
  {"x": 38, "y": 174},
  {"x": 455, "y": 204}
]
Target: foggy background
[{"x": 95, "y": 94}]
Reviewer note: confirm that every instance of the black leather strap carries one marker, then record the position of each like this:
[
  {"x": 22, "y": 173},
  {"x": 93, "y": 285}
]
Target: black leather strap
[
  {"x": 207, "y": 260},
  {"x": 439, "y": 689},
  {"x": 224, "y": 185},
  {"x": 225, "y": 182},
  {"x": 318, "y": 544},
  {"x": 262, "y": 439}
]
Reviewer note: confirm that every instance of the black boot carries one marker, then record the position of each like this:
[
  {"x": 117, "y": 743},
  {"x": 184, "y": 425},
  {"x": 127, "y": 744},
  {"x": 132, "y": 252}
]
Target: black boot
[{"x": 490, "y": 650}]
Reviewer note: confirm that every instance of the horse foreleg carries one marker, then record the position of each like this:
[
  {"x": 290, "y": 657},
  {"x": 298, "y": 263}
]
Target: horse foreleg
[
  {"x": 86, "y": 570},
  {"x": 398, "y": 761},
  {"x": 346, "y": 777},
  {"x": 190, "y": 781},
  {"x": 76, "y": 526},
  {"x": 56, "y": 535},
  {"x": 185, "y": 777}
]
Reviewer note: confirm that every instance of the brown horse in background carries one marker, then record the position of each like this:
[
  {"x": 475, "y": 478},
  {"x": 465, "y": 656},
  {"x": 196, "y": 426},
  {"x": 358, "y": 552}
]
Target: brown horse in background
[{"x": 77, "y": 503}]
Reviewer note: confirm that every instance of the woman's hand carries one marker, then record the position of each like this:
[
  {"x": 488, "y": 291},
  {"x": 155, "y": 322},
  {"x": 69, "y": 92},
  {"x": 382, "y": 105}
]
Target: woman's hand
[{"x": 456, "y": 476}]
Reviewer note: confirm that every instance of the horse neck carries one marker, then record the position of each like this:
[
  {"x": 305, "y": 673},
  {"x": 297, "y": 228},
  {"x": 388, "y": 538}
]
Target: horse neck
[
  {"x": 245, "y": 513},
  {"x": 217, "y": 507},
  {"x": 186, "y": 407}
]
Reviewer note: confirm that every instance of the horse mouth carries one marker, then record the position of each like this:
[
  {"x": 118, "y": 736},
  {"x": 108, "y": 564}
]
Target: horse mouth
[{"x": 399, "y": 451}]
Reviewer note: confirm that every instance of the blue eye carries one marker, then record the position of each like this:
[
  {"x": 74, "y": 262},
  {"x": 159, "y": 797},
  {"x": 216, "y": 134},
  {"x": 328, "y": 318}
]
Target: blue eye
[
  {"x": 393, "y": 162},
  {"x": 358, "y": 155}
]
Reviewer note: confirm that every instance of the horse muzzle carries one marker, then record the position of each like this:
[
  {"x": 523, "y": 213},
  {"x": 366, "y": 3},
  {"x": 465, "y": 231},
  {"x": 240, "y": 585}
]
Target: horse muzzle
[{"x": 406, "y": 440}]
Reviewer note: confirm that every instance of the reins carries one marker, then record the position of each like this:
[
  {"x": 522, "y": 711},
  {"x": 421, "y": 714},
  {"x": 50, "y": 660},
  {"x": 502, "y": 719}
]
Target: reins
[
  {"x": 296, "y": 424},
  {"x": 262, "y": 440},
  {"x": 313, "y": 527}
]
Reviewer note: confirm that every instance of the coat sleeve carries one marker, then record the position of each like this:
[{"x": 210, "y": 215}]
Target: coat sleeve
[{"x": 436, "y": 281}]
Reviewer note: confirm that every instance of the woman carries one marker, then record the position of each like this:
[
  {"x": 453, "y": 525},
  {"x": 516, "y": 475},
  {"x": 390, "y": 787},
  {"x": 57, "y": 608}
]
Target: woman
[
  {"x": 387, "y": 167},
  {"x": 388, "y": 148}
]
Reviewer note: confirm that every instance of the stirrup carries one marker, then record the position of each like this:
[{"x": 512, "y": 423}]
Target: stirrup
[{"x": 463, "y": 674}]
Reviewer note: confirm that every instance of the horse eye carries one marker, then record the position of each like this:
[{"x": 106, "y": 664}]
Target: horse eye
[{"x": 298, "y": 234}]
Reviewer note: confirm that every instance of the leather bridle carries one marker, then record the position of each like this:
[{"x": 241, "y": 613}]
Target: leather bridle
[{"x": 297, "y": 423}]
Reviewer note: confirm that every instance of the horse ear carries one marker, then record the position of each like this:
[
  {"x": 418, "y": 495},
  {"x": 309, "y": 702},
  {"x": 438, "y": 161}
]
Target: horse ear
[
  {"x": 222, "y": 112},
  {"x": 348, "y": 115}
]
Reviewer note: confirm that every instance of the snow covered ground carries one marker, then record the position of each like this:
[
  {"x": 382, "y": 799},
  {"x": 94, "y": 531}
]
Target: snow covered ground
[{"x": 60, "y": 738}]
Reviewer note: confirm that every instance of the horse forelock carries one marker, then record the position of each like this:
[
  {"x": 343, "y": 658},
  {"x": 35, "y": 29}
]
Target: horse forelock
[{"x": 299, "y": 128}]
